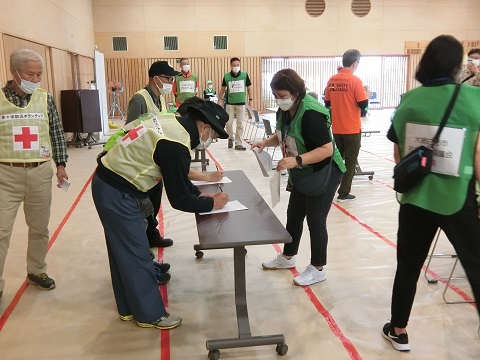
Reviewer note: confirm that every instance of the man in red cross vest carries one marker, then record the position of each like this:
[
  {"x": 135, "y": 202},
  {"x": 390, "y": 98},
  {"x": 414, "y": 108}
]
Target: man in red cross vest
[
  {"x": 156, "y": 145},
  {"x": 31, "y": 135}
]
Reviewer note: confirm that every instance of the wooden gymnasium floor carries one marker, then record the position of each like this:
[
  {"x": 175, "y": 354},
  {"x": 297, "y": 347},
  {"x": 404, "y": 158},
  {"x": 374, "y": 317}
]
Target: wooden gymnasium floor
[{"x": 340, "y": 318}]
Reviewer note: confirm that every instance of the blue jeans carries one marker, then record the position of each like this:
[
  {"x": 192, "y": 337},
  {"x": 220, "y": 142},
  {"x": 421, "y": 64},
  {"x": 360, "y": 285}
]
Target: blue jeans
[{"x": 315, "y": 209}]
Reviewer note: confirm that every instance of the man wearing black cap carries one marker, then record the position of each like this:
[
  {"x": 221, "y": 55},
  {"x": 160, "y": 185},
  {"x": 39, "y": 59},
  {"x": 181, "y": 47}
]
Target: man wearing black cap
[
  {"x": 155, "y": 146},
  {"x": 148, "y": 100}
]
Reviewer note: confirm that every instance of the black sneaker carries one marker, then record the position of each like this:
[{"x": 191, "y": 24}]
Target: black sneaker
[
  {"x": 41, "y": 280},
  {"x": 399, "y": 342},
  {"x": 230, "y": 143},
  {"x": 156, "y": 240},
  {"x": 163, "y": 267},
  {"x": 346, "y": 198},
  {"x": 240, "y": 147},
  {"x": 162, "y": 278}
]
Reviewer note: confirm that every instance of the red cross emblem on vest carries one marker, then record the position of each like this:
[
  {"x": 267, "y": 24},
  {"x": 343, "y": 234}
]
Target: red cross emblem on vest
[
  {"x": 133, "y": 135},
  {"x": 25, "y": 138}
]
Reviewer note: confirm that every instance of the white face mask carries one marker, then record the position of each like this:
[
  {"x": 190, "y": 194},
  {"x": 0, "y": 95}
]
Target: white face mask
[
  {"x": 166, "y": 89},
  {"x": 210, "y": 87},
  {"x": 186, "y": 68},
  {"x": 28, "y": 87},
  {"x": 236, "y": 69},
  {"x": 285, "y": 104},
  {"x": 475, "y": 62},
  {"x": 205, "y": 143}
]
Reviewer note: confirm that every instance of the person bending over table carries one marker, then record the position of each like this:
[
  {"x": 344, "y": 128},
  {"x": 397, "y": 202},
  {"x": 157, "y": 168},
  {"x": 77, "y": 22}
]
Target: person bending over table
[
  {"x": 156, "y": 146},
  {"x": 304, "y": 125}
]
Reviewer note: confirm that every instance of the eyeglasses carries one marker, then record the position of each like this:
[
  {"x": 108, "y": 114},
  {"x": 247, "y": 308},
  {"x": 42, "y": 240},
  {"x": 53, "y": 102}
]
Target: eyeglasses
[{"x": 170, "y": 79}]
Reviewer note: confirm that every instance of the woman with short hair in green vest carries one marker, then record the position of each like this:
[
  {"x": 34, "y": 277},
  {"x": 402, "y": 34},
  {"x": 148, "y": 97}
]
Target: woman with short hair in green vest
[
  {"x": 445, "y": 198},
  {"x": 303, "y": 124}
]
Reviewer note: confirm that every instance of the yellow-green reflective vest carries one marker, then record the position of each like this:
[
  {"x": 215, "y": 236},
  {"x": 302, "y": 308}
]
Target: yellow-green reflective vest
[
  {"x": 132, "y": 156},
  {"x": 24, "y": 132}
]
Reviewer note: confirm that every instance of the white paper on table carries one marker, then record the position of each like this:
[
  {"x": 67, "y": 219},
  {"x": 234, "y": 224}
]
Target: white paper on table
[
  {"x": 275, "y": 188},
  {"x": 224, "y": 180},
  {"x": 264, "y": 160},
  {"x": 234, "y": 205}
]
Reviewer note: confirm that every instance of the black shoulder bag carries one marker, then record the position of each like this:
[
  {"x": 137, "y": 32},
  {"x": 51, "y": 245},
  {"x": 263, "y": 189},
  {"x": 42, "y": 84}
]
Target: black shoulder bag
[
  {"x": 418, "y": 163},
  {"x": 307, "y": 181}
]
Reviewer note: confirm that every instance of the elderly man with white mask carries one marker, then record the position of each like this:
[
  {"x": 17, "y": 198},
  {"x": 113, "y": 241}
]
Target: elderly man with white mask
[{"x": 31, "y": 136}]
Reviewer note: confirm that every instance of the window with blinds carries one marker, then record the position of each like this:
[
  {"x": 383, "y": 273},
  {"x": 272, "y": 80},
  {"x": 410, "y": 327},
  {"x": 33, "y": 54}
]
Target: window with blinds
[
  {"x": 170, "y": 43},
  {"x": 315, "y": 8},
  {"x": 361, "y": 8},
  {"x": 220, "y": 42},
  {"x": 119, "y": 43},
  {"x": 386, "y": 75}
]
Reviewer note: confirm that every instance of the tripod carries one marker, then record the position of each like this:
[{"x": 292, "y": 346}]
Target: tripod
[{"x": 114, "y": 106}]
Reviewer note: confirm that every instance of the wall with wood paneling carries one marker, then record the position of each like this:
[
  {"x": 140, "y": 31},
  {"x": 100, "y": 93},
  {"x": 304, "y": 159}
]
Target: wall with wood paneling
[
  {"x": 133, "y": 74},
  {"x": 62, "y": 70}
]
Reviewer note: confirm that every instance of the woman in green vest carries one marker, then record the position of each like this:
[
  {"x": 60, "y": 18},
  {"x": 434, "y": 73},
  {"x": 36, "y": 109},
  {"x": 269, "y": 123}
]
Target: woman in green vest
[
  {"x": 303, "y": 125},
  {"x": 443, "y": 200}
]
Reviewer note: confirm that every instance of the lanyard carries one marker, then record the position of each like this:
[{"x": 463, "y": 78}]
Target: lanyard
[{"x": 285, "y": 131}]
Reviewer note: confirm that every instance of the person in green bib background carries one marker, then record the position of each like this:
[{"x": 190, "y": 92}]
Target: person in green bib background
[
  {"x": 304, "y": 126},
  {"x": 31, "y": 136},
  {"x": 210, "y": 93},
  {"x": 151, "y": 99},
  {"x": 186, "y": 83},
  {"x": 236, "y": 86},
  {"x": 445, "y": 198}
]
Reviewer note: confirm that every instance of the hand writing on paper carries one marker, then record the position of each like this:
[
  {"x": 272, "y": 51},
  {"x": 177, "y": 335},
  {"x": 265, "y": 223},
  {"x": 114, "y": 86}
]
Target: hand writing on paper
[
  {"x": 220, "y": 200},
  {"x": 215, "y": 176}
]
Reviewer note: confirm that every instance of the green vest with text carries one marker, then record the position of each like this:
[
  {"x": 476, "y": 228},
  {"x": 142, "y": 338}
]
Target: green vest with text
[
  {"x": 295, "y": 131},
  {"x": 132, "y": 156},
  {"x": 186, "y": 87},
  {"x": 236, "y": 88},
  {"x": 440, "y": 193},
  {"x": 24, "y": 132}
]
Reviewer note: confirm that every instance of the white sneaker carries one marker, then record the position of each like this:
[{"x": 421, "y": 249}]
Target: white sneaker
[
  {"x": 310, "y": 276},
  {"x": 279, "y": 262}
]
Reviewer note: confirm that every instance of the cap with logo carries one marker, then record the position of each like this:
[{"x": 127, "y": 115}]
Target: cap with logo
[{"x": 212, "y": 114}]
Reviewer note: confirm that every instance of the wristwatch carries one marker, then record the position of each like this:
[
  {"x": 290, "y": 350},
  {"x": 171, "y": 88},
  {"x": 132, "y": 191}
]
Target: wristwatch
[{"x": 299, "y": 160}]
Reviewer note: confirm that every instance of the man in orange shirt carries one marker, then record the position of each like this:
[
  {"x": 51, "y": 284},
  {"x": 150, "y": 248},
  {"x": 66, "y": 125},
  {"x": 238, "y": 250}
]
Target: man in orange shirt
[{"x": 345, "y": 98}]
